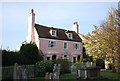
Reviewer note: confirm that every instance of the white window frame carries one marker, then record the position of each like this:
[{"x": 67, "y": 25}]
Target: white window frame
[
  {"x": 49, "y": 44},
  {"x": 66, "y": 45},
  {"x": 51, "y": 32},
  {"x": 68, "y": 35},
  {"x": 76, "y": 46}
]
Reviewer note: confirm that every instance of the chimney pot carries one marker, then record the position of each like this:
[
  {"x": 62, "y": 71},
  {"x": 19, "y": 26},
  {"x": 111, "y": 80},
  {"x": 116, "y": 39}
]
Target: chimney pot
[{"x": 75, "y": 23}]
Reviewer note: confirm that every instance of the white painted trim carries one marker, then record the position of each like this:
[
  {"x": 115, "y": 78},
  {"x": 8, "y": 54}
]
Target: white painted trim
[
  {"x": 78, "y": 45},
  {"x": 55, "y": 32},
  {"x": 70, "y": 34},
  {"x": 63, "y": 45},
  {"x": 55, "y": 44},
  {"x": 60, "y": 40}
]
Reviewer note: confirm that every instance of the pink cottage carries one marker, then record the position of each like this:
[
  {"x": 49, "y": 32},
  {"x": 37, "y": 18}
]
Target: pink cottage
[{"x": 55, "y": 43}]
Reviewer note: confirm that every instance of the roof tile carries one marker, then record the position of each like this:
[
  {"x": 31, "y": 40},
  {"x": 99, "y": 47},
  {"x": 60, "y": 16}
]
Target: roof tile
[{"x": 43, "y": 32}]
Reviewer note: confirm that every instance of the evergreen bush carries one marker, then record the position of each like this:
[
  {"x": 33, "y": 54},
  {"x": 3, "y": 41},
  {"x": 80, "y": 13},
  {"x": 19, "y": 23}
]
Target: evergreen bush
[{"x": 43, "y": 67}]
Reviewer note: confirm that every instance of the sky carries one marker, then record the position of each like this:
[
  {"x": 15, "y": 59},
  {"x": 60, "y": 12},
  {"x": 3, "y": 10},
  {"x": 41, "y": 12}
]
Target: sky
[{"x": 54, "y": 14}]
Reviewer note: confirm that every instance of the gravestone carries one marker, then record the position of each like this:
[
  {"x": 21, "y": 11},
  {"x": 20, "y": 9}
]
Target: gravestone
[
  {"x": 88, "y": 64},
  {"x": 83, "y": 64},
  {"x": 55, "y": 68},
  {"x": 88, "y": 70},
  {"x": 24, "y": 75},
  {"x": 15, "y": 76},
  {"x": 59, "y": 68},
  {"x": 19, "y": 74},
  {"x": 73, "y": 69},
  {"x": 100, "y": 63},
  {"x": 50, "y": 75},
  {"x": 55, "y": 74},
  {"x": 47, "y": 75},
  {"x": 93, "y": 64},
  {"x": 79, "y": 73},
  {"x": 56, "y": 71}
]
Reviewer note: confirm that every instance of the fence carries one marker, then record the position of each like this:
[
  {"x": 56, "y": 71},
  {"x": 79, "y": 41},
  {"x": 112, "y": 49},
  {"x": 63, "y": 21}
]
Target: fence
[{"x": 7, "y": 72}]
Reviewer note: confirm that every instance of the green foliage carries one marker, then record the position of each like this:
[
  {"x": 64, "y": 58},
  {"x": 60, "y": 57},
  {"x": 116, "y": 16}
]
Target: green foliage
[
  {"x": 83, "y": 60},
  {"x": 9, "y": 58},
  {"x": 29, "y": 54},
  {"x": 88, "y": 59},
  {"x": 65, "y": 65},
  {"x": 43, "y": 67},
  {"x": 94, "y": 60},
  {"x": 47, "y": 66}
]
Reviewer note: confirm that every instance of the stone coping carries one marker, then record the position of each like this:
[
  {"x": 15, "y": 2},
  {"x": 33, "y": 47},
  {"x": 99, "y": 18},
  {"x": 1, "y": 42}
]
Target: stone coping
[{"x": 97, "y": 67}]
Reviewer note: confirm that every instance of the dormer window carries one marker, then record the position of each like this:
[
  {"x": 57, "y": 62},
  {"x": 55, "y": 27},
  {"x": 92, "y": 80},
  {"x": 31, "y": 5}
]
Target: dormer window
[
  {"x": 53, "y": 32},
  {"x": 69, "y": 35}
]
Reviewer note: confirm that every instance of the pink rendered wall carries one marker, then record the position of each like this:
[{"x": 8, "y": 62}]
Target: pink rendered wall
[{"x": 59, "y": 47}]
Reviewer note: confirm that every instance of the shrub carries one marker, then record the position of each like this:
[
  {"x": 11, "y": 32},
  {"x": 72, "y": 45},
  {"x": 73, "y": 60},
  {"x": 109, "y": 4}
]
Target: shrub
[
  {"x": 9, "y": 58},
  {"x": 65, "y": 65},
  {"x": 88, "y": 59},
  {"x": 29, "y": 54},
  {"x": 43, "y": 67},
  {"x": 94, "y": 60},
  {"x": 82, "y": 60}
]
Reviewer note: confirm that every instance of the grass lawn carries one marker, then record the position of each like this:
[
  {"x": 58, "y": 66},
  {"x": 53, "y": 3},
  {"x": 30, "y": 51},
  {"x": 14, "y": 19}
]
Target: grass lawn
[
  {"x": 70, "y": 77},
  {"x": 37, "y": 79},
  {"x": 110, "y": 75},
  {"x": 64, "y": 76}
]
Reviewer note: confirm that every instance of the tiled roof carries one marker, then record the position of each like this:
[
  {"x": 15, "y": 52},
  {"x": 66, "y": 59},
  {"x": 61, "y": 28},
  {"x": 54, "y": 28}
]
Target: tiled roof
[{"x": 43, "y": 32}]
